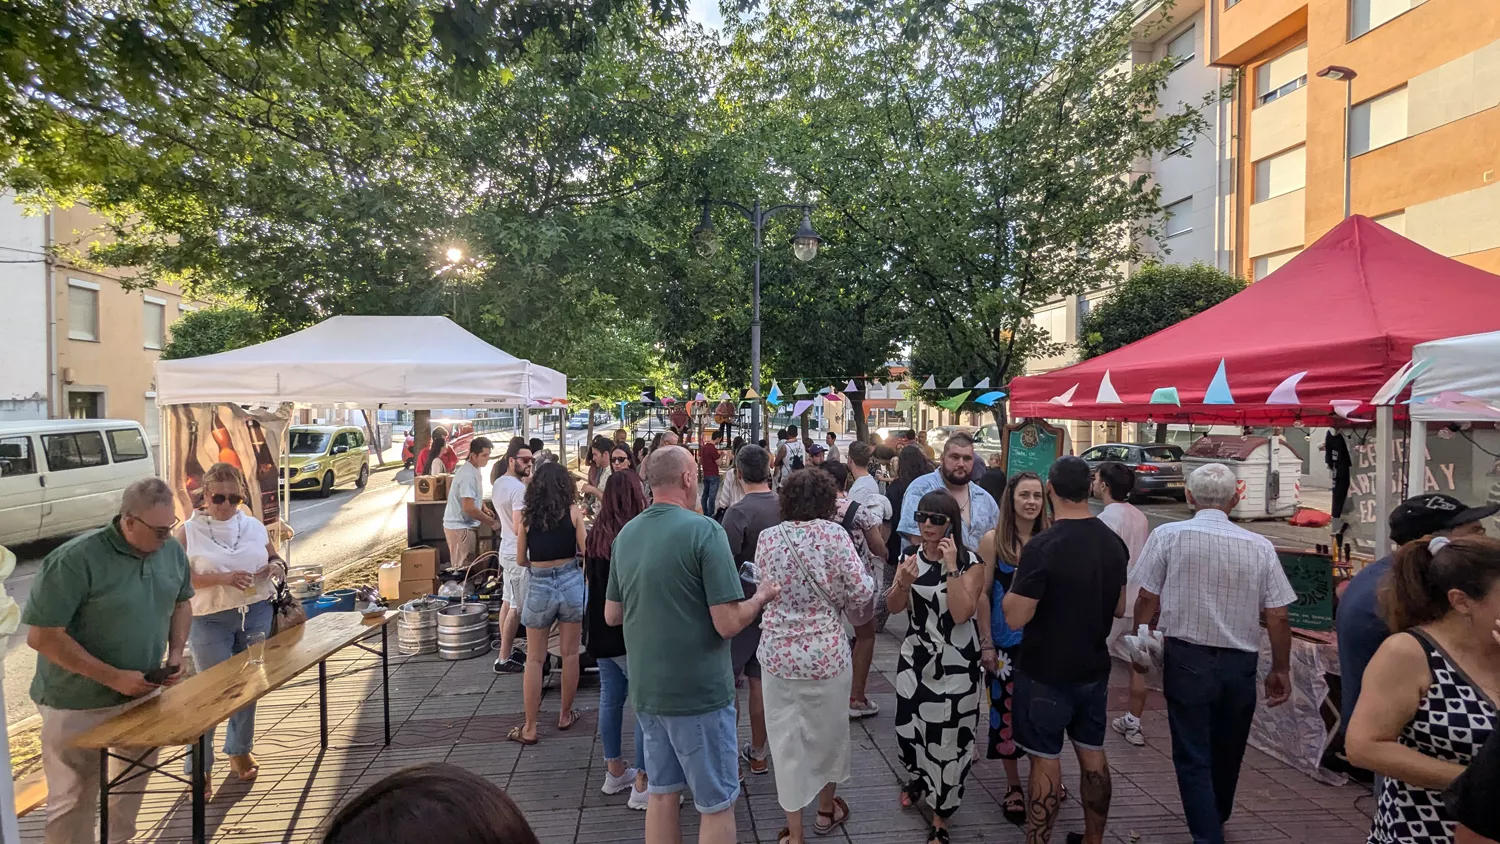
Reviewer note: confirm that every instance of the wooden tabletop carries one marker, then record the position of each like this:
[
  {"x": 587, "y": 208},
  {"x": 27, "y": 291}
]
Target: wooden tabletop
[{"x": 182, "y": 713}]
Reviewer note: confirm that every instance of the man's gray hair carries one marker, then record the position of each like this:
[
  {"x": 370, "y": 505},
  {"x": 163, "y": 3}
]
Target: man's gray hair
[
  {"x": 145, "y": 494},
  {"x": 666, "y": 466},
  {"x": 1212, "y": 486}
]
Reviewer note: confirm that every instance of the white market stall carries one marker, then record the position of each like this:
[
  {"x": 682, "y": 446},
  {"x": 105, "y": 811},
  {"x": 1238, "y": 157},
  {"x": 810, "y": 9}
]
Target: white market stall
[{"x": 1457, "y": 380}]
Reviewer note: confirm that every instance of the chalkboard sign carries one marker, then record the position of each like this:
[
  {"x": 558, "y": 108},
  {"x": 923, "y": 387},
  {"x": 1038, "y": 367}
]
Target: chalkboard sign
[
  {"x": 1311, "y": 576},
  {"x": 1030, "y": 446}
]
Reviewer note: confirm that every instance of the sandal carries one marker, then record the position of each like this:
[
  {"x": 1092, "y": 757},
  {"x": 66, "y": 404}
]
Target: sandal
[
  {"x": 938, "y": 834},
  {"x": 834, "y": 819},
  {"x": 912, "y": 793},
  {"x": 573, "y": 716},
  {"x": 1014, "y": 805},
  {"x": 517, "y": 735},
  {"x": 244, "y": 766},
  {"x": 784, "y": 836}
]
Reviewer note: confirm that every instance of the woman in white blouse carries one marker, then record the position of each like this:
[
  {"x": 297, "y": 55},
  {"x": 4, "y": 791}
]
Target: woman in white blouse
[{"x": 232, "y": 558}]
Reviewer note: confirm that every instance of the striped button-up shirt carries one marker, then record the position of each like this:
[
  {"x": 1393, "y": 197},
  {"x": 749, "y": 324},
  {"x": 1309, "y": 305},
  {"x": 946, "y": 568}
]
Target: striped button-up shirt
[{"x": 983, "y": 515}]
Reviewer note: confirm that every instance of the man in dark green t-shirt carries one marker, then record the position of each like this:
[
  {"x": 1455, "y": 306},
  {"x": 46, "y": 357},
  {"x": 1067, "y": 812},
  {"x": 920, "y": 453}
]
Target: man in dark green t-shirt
[
  {"x": 675, "y": 588},
  {"x": 103, "y": 610}
]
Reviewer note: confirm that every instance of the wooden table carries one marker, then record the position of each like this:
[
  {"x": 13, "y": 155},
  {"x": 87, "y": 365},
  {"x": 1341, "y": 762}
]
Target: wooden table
[{"x": 183, "y": 714}]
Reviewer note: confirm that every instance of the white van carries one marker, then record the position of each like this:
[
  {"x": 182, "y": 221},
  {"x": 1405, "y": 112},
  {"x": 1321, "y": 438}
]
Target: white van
[{"x": 64, "y": 476}]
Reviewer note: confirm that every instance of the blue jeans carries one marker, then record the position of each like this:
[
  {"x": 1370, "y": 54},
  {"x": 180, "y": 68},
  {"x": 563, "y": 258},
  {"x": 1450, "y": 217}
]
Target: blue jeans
[
  {"x": 214, "y": 638},
  {"x": 711, "y": 496},
  {"x": 614, "y": 685},
  {"x": 697, "y": 752},
  {"x": 557, "y": 593},
  {"x": 1210, "y": 703}
]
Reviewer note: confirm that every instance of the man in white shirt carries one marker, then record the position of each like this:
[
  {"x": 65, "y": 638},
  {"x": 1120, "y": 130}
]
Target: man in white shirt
[
  {"x": 1113, "y": 483},
  {"x": 834, "y": 454},
  {"x": 464, "y": 512},
  {"x": 509, "y": 498},
  {"x": 1211, "y": 581}
]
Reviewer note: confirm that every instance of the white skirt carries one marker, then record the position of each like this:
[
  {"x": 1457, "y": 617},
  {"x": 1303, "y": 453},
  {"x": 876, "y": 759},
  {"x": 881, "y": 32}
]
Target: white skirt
[{"x": 807, "y": 723}]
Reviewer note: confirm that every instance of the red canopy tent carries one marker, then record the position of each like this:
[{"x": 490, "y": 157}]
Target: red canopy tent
[{"x": 1344, "y": 314}]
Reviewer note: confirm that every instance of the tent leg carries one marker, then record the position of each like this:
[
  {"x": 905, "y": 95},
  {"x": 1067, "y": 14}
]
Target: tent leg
[
  {"x": 1416, "y": 459},
  {"x": 1385, "y": 425}
]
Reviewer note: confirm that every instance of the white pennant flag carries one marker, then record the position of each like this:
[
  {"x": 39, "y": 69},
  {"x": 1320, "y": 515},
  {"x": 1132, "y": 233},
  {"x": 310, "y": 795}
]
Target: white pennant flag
[
  {"x": 984, "y": 384},
  {"x": 958, "y": 383},
  {"x": 929, "y": 384}
]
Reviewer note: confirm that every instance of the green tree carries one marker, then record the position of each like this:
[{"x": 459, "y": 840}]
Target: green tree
[
  {"x": 212, "y": 330},
  {"x": 1157, "y": 296}
]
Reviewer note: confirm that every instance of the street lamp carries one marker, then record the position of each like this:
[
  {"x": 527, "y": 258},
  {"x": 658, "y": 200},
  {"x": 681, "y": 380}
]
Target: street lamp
[
  {"x": 1345, "y": 75},
  {"x": 805, "y": 245}
]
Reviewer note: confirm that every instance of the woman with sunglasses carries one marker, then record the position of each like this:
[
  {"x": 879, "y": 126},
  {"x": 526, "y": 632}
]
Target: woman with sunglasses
[
  {"x": 937, "y": 674},
  {"x": 232, "y": 559},
  {"x": 599, "y": 472}
]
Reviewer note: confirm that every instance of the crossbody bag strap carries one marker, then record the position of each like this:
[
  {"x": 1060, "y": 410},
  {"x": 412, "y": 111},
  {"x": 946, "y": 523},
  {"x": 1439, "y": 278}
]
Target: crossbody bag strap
[{"x": 802, "y": 568}]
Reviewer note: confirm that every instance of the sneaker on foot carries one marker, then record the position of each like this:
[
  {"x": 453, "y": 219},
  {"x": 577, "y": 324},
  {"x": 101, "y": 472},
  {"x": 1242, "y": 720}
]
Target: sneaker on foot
[
  {"x": 863, "y": 710},
  {"x": 1130, "y": 728},
  {"x": 639, "y": 799},
  {"x": 510, "y": 666},
  {"x": 757, "y": 759},
  {"x": 615, "y": 785}
]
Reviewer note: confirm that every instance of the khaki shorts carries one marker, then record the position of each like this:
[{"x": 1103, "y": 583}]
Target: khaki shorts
[{"x": 463, "y": 544}]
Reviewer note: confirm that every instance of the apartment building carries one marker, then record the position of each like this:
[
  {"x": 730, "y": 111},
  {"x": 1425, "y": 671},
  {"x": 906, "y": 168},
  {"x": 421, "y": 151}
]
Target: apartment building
[
  {"x": 75, "y": 342},
  {"x": 1414, "y": 86}
]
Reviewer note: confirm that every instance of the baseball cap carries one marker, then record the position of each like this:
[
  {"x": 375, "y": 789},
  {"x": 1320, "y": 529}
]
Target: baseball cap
[
  {"x": 817, "y": 449},
  {"x": 1420, "y": 515}
]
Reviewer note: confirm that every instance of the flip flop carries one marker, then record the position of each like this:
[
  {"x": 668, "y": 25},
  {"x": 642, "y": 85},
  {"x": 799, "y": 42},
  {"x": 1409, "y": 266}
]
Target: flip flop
[
  {"x": 518, "y": 736},
  {"x": 784, "y": 836},
  {"x": 940, "y": 835},
  {"x": 912, "y": 794},
  {"x": 245, "y": 767},
  {"x": 1014, "y": 812},
  {"x": 573, "y": 716},
  {"x": 834, "y": 819}
]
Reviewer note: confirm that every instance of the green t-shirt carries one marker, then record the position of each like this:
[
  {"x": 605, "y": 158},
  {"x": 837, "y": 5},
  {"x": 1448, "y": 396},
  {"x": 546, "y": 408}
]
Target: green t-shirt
[
  {"x": 115, "y": 603},
  {"x": 668, "y": 566}
]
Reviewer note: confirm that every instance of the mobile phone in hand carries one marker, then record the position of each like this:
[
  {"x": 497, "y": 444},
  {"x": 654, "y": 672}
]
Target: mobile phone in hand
[{"x": 159, "y": 674}]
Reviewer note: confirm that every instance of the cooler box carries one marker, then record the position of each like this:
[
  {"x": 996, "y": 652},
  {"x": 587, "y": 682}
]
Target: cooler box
[{"x": 1251, "y": 460}]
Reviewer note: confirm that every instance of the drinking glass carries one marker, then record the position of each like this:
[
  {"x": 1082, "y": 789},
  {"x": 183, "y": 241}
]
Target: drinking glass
[{"x": 255, "y": 647}]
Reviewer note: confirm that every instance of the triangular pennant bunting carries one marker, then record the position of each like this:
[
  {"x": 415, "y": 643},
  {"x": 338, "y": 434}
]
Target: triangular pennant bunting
[
  {"x": 930, "y": 383},
  {"x": 1107, "y": 394},
  {"x": 1165, "y": 395},
  {"x": 851, "y": 387},
  {"x": 954, "y": 403},
  {"x": 984, "y": 384},
  {"x": 1066, "y": 399},
  {"x": 801, "y": 407},
  {"x": 1286, "y": 391},
  {"x": 956, "y": 383},
  {"x": 773, "y": 398},
  {"x": 989, "y": 399},
  {"x": 1218, "y": 389},
  {"x": 800, "y": 389}
]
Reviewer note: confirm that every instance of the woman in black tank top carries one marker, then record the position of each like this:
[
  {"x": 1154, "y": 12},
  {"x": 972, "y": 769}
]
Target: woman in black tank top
[{"x": 548, "y": 544}]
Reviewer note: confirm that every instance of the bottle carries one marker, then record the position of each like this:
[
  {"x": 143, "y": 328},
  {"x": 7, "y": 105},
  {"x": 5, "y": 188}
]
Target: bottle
[
  {"x": 227, "y": 453},
  {"x": 265, "y": 474},
  {"x": 192, "y": 470}
]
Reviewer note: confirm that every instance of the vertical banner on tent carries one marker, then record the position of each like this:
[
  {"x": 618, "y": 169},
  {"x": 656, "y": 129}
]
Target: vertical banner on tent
[
  {"x": 1454, "y": 466},
  {"x": 200, "y": 435}
]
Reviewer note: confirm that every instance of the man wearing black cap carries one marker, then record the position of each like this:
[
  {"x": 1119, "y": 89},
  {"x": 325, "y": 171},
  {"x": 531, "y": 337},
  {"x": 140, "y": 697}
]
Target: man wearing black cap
[{"x": 1361, "y": 628}]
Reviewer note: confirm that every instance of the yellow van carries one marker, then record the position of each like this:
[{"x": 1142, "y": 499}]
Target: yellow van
[{"x": 322, "y": 457}]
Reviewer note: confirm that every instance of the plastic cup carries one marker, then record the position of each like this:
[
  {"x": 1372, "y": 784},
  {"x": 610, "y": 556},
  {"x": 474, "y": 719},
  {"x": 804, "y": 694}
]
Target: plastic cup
[{"x": 255, "y": 648}]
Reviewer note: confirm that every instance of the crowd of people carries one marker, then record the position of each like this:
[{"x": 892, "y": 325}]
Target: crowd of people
[{"x": 1013, "y": 594}]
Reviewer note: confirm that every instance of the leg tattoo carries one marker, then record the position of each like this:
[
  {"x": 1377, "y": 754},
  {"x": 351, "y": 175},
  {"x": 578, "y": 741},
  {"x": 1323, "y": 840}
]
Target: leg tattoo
[{"x": 1096, "y": 790}]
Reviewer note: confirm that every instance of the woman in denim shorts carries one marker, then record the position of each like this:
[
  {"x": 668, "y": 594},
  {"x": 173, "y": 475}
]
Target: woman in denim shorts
[{"x": 548, "y": 544}]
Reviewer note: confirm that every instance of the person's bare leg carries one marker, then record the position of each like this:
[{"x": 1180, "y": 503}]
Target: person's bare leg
[
  {"x": 794, "y": 828},
  {"x": 662, "y": 825},
  {"x": 864, "y": 655},
  {"x": 1012, "y": 772},
  {"x": 510, "y": 624},
  {"x": 1043, "y": 798},
  {"x": 717, "y": 828},
  {"x": 1094, "y": 793},
  {"x": 568, "y": 639},
  {"x": 1137, "y": 692},
  {"x": 758, "y": 739},
  {"x": 531, "y": 687}
]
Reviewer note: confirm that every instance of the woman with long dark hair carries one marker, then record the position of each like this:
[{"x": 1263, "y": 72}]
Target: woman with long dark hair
[
  {"x": 910, "y": 465},
  {"x": 548, "y": 544},
  {"x": 624, "y": 499},
  {"x": 937, "y": 674},
  {"x": 1429, "y": 699},
  {"x": 1023, "y": 514},
  {"x": 446, "y": 456},
  {"x": 416, "y": 803}
]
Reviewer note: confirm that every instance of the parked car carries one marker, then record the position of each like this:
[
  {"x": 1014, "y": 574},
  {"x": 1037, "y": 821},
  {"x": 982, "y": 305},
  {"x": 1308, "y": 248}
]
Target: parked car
[
  {"x": 322, "y": 457},
  {"x": 64, "y": 476},
  {"x": 939, "y": 435},
  {"x": 987, "y": 442},
  {"x": 1158, "y": 468}
]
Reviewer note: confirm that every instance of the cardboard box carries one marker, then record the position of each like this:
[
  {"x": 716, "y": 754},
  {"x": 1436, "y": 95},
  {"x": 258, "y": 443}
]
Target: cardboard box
[
  {"x": 419, "y": 563},
  {"x": 388, "y": 580},
  {"x": 412, "y": 589},
  {"x": 431, "y": 487}
]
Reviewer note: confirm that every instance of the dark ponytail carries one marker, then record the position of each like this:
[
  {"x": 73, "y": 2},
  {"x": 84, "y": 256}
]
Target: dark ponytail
[{"x": 1415, "y": 591}]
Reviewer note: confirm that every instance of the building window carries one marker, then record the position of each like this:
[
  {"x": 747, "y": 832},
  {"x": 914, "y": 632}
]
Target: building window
[
  {"x": 1182, "y": 48},
  {"x": 1184, "y": 149},
  {"x": 1178, "y": 217},
  {"x": 1267, "y": 264},
  {"x": 1054, "y": 322},
  {"x": 1281, "y": 173},
  {"x": 1285, "y": 89},
  {"x": 85, "y": 404},
  {"x": 1365, "y": 15},
  {"x": 1395, "y": 221},
  {"x": 1377, "y": 121},
  {"x": 154, "y": 323},
  {"x": 83, "y": 310},
  {"x": 1281, "y": 76}
]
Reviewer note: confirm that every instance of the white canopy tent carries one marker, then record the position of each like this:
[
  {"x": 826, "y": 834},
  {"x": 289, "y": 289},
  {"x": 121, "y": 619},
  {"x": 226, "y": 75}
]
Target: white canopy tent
[
  {"x": 397, "y": 362},
  {"x": 1459, "y": 383}
]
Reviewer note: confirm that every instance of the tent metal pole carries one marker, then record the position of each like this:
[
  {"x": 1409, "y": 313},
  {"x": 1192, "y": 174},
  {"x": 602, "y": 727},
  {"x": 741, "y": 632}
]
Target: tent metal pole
[
  {"x": 1416, "y": 459},
  {"x": 1385, "y": 425}
]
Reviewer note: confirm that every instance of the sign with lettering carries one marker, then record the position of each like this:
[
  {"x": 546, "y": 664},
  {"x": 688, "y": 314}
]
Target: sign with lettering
[
  {"x": 1450, "y": 470},
  {"x": 1030, "y": 446},
  {"x": 1311, "y": 576}
]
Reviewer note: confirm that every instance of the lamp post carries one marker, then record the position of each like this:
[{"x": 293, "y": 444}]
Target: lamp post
[
  {"x": 1345, "y": 75},
  {"x": 804, "y": 246}
]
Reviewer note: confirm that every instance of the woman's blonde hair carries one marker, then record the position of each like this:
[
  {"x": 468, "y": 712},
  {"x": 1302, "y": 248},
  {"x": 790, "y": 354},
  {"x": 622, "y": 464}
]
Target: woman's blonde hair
[{"x": 224, "y": 473}]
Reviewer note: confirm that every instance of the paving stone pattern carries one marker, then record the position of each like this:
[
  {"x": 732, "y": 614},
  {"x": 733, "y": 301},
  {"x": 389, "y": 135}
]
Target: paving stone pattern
[{"x": 458, "y": 712}]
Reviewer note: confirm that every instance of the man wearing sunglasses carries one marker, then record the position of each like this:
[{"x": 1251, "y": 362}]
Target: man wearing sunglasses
[
  {"x": 509, "y": 498},
  {"x": 104, "y": 609}
]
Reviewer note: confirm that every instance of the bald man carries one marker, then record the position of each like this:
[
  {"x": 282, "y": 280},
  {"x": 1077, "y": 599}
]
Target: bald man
[{"x": 675, "y": 587}]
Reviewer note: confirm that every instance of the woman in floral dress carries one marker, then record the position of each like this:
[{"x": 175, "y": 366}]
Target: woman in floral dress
[{"x": 937, "y": 676}]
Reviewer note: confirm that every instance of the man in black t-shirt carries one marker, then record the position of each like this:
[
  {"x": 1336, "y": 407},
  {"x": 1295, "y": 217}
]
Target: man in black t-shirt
[
  {"x": 1068, "y": 590},
  {"x": 759, "y": 509}
]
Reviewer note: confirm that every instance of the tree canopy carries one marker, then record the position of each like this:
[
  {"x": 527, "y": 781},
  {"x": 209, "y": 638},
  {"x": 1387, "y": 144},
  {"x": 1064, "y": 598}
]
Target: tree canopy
[{"x": 1157, "y": 296}]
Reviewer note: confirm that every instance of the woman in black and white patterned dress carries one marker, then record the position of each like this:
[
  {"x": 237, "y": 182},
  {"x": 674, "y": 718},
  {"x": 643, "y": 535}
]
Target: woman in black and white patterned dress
[
  {"x": 1429, "y": 699},
  {"x": 937, "y": 677}
]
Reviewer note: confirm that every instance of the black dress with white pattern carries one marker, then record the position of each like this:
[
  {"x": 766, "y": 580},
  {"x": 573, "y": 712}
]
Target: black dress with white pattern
[
  {"x": 937, "y": 690},
  {"x": 1452, "y": 723}
]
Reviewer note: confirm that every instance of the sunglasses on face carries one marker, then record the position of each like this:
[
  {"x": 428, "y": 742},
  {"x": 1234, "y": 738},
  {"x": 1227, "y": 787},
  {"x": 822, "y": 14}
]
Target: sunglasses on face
[
  {"x": 161, "y": 532},
  {"x": 619, "y": 459},
  {"x": 220, "y": 498},
  {"x": 937, "y": 519},
  {"x": 521, "y": 459}
]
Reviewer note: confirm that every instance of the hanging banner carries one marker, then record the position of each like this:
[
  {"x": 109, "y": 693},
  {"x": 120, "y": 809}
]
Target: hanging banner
[{"x": 200, "y": 435}]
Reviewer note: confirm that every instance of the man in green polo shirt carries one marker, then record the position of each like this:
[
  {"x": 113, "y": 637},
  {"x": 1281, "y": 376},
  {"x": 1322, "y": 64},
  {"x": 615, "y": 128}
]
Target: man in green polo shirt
[{"x": 103, "y": 610}]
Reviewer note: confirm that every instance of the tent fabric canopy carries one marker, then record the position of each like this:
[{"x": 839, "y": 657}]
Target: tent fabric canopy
[
  {"x": 399, "y": 362},
  {"x": 1459, "y": 381},
  {"x": 1346, "y": 312}
]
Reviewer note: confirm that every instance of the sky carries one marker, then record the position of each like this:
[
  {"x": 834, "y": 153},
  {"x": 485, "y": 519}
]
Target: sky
[{"x": 705, "y": 12}]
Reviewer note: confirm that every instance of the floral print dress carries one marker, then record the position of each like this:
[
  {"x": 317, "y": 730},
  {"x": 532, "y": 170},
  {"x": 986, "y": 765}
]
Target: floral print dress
[{"x": 802, "y": 633}]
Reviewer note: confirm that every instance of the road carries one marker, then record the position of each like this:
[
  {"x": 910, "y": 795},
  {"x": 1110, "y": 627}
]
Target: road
[{"x": 332, "y": 532}]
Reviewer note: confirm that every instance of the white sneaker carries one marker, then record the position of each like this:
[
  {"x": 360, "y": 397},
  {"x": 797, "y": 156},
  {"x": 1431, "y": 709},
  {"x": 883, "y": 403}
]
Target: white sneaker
[
  {"x": 614, "y": 784},
  {"x": 639, "y": 799},
  {"x": 867, "y": 710},
  {"x": 1129, "y": 727}
]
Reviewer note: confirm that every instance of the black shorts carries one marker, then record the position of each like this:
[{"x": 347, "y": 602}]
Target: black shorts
[{"x": 742, "y": 650}]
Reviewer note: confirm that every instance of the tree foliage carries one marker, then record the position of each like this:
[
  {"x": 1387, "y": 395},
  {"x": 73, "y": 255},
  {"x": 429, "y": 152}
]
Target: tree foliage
[
  {"x": 212, "y": 330},
  {"x": 1157, "y": 296}
]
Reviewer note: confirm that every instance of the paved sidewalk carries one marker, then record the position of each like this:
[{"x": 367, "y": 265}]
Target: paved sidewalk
[{"x": 460, "y": 711}]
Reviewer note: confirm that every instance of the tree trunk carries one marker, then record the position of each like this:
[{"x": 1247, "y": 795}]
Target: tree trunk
[
  {"x": 421, "y": 430},
  {"x": 1161, "y": 432},
  {"x": 861, "y": 424},
  {"x": 593, "y": 408},
  {"x": 802, "y": 425}
]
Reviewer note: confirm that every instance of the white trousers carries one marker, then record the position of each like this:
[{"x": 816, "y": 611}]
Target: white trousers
[{"x": 73, "y": 778}]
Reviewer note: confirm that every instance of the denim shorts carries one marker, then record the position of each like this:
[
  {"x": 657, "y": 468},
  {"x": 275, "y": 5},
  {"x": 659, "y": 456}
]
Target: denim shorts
[
  {"x": 697, "y": 752},
  {"x": 1043, "y": 714},
  {"x": 554, "y": 594}
]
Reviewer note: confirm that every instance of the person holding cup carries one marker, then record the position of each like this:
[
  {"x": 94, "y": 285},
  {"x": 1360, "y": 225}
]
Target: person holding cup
[{"x": 232, "y": 559}]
